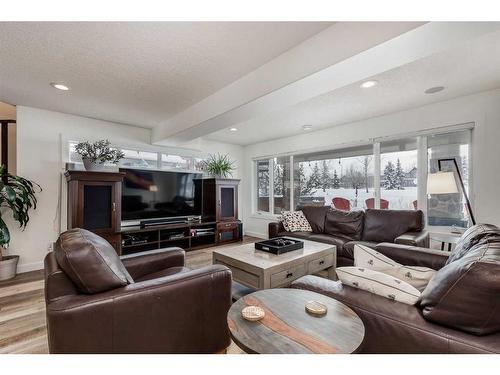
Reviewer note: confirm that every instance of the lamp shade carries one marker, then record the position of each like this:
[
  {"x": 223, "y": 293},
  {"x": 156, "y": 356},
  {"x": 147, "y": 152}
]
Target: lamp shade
[{"x": 441, "y": 183}]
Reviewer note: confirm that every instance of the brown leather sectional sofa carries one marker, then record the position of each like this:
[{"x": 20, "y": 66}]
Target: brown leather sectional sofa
[
  {"x": 458, "y": 312},
  {"x": 371, "y": 227},
  {"x": 144, "y": 303}
]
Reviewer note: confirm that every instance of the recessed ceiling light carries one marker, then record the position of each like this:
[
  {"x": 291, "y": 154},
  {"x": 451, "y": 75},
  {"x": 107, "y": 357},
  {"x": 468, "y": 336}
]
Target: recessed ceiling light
[
  {"x": 233, "y": 129},
  {"x": 59, "y": 86},
  {"x": 307, "y": 127},
  {"x": 434, "y": 89},
  {"x": 368, "y": 84}
]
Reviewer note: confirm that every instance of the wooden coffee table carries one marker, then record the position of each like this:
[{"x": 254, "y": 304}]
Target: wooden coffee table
[
  {"x": 288, "y": 329},
  {"x": 262, "y": 270}
]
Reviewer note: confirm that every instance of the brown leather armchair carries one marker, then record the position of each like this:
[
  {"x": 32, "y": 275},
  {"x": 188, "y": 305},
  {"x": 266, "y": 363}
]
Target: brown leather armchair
[{"x": 141, "y": 303}]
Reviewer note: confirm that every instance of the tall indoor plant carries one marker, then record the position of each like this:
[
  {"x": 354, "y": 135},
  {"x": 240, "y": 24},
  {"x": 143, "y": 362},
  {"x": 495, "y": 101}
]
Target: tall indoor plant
[
  {"x": 219, "y": 166},
  {"x": 94, "y": 155},
  {"x": 17, "y": 194}
]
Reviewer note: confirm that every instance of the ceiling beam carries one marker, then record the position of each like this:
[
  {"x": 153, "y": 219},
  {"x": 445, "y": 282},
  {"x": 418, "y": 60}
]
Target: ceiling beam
[{"x": 343, "y": 54}]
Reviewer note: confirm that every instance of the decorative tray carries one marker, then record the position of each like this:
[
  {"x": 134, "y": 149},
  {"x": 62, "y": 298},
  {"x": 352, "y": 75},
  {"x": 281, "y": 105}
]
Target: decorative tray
[{"x": 279, "y": 245}]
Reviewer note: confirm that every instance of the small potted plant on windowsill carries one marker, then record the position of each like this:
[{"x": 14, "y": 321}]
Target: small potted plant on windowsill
[
  {"x": 18, "y": 195},
  {"x": 218, "y": 166},
  {"x": 94, "y": 155}
]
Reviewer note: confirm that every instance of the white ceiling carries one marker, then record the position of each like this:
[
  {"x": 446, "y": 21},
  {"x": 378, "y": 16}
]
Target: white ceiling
[
  {"x": 463, "y": 70},
  {"x": 135, "y": 73},
  {"x": 267, "y": 79}
]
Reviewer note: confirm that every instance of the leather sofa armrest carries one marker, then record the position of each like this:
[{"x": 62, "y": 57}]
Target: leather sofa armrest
[
  {"x": 420, "y": 239},
  {"x": 274, "y": 228},
  {"x": 144, "y": 263},
  {"x": 413, "y": 255},
  {"x": 181, "y": 313}
]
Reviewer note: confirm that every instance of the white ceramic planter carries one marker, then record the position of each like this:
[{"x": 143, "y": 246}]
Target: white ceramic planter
[
  {"x": 92, "y": 166},
  {"x": 8, "y": 267}
]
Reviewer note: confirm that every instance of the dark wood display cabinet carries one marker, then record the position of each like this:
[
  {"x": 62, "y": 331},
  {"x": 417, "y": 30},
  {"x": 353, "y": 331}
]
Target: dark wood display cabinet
[
  {"x": 220, "y": 204},
  {"x": 94, "y": 203}
]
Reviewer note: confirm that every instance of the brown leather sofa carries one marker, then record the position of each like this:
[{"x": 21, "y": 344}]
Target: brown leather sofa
[
  {"x": 347, "y": 228},
  {"x": 143, "y": 303},
  {"x": 458, "y": 312}
]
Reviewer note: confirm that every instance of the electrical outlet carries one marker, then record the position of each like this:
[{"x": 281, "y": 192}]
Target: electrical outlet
[{"x": 50, "y": 247}]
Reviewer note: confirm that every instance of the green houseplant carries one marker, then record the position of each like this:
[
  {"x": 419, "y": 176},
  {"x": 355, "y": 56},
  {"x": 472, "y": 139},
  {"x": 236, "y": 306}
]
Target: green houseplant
[
  {"x": 219, "y": 166},
  {"x": 94, "y": 155},
  {"x": 17, "y": 194}
]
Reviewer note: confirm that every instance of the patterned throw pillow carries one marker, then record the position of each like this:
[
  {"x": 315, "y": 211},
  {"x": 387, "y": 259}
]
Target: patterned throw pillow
[
  {"x": 379, "y": 283},
  {"x": 295, "y": 222},
  {"x": 369, "y": 258}
]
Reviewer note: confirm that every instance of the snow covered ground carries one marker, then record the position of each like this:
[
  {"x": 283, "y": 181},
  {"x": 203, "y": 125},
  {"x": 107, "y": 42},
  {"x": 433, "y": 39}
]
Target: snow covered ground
[{"x": 398, "y": 199}]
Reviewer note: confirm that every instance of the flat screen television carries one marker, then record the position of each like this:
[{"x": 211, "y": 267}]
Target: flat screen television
[{"x": 149, "y": 194}]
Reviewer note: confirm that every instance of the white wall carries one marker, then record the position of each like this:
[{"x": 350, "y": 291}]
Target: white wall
[
  {"x": 483, "y": 109},
  {"x": 42, "y": 153}
]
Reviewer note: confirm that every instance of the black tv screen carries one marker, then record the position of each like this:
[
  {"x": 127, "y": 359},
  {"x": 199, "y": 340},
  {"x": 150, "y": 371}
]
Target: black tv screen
[{"x": 148, "y": 194}]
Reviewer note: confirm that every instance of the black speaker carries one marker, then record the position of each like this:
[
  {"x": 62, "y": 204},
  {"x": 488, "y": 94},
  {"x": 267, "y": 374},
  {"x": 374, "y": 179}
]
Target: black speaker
[{"x": 240, "y": 230}]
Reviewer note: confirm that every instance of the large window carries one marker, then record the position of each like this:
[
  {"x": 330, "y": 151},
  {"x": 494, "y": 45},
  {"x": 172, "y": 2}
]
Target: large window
[
  {"x": 398, "y": 179},
  {"x": 281, "y": 184},
  {"x": 342, "y": 178},
  {"x": 148, "y": 159},
  {"x": 449, "y": 209},
  {"x": 386, "y": 174},
  {"x": 263, "y": 185}
]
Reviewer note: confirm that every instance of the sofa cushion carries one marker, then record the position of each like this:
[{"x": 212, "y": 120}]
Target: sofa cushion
[
  {"x": 386, "y": 225},
  {"x": 379, "y": 283},
  {"x": 90, "y": 261},
  {"x": 465, "y": 294},
  {"x": 471, "y": 237},
  {"x": 301, "y": 235},
  {"x": 295, "y": 221},
  {"x": 315, "y": 215},
  {"x": 416, "y": 276},
  {"x": 348, "y": 249},
  {"x": 344, "y": 224},
  {"x": 326, "y": 238}
]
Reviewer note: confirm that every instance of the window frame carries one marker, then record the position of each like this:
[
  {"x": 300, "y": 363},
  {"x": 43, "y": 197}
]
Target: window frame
[
  {"x": 422, "y": 167},
  {"x": 66, "y": 150}
]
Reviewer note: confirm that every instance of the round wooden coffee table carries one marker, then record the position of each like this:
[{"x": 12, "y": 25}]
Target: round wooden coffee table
[{"x": 288, "y": 328}]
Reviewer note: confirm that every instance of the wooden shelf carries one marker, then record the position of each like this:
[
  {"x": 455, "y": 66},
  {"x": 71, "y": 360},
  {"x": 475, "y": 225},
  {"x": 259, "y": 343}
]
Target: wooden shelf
[{"x": 139, "y": 244}]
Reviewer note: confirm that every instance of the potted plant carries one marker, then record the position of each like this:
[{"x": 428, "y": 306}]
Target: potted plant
[
  {"x": 17, "y": 194},
  {"x": 219, "y": 166},
  {"x": 94, "y": 155}
]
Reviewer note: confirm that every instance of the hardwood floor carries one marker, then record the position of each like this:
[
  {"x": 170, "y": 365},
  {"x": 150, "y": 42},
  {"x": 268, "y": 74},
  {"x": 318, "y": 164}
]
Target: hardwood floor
[{"x": 22, "y": 308}]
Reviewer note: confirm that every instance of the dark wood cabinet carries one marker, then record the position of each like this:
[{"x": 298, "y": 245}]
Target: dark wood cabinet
[
  {"x": 220, "y": 199},
  {"x": 227, "y": 231},
  {"x": 220, "y": 204},
  {"x": 94, "y": 203}
]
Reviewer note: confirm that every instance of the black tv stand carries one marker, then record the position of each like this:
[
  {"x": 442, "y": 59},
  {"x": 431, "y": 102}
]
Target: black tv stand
[{"x": 186, "y": 235}]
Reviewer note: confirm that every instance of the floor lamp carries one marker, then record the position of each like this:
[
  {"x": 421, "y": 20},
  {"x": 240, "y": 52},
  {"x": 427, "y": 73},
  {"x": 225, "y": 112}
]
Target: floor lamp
[{"x": 445, "y": 183}]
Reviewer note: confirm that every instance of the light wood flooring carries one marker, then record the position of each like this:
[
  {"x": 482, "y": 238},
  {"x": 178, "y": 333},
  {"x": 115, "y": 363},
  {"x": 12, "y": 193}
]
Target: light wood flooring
[{"x": 22, "y": 308}]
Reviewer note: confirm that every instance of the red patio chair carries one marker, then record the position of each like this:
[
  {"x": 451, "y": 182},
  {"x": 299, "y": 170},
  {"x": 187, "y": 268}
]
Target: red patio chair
[
  {"x": 341, "y": 204},
  {"x": 370, "y": 203}
]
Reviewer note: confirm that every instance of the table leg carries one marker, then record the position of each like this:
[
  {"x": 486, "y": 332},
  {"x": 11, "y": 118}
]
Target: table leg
[{"x": 332, "y": 275}]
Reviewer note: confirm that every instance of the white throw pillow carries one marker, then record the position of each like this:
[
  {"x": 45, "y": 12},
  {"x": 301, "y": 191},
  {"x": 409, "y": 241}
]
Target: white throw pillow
[
  {"x": 369, "y": 258},
  {"x": 295, "y": 222},
  {"x": 379, "y": 283}
]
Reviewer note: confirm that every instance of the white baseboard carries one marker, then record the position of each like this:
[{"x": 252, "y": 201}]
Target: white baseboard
[
  {"x": 255, "y": 234},
  {"x": 27, "y": 267}
]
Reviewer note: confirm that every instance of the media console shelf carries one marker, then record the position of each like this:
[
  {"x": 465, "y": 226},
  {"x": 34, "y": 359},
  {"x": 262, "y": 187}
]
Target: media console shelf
[{"x": 188, "y": 236}]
